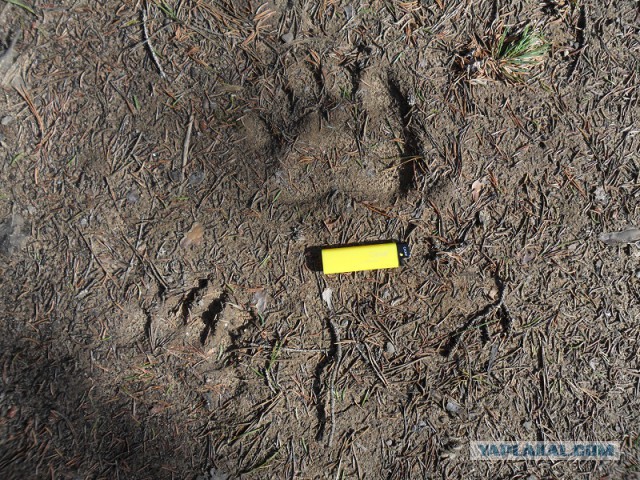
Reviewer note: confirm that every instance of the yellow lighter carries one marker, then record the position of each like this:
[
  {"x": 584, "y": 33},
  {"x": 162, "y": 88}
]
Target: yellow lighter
[{"x": 356, "y": 258}]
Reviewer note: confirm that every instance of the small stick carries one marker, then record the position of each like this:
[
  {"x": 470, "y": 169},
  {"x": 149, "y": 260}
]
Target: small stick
[
  {"x": 22, "y": 91},
  {"x": 486, "y": 312},
  {"x": 147, "y": 40},
  {"x": 187, "y": 141},
  {"x": 332, "y": 378}
]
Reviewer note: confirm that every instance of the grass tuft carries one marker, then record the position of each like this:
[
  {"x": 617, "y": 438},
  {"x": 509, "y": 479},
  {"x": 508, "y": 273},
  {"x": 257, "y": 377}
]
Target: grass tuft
[
  {"x": 511, "y": 55},
  {"x": 516, "y": 55}
]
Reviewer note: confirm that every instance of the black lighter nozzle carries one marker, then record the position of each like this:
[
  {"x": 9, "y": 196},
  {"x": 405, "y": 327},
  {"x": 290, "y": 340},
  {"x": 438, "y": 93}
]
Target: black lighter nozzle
[{"x": 403, "y": 250}]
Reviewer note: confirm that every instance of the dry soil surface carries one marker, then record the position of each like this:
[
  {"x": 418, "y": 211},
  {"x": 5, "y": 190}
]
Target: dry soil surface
[{"x": 168, "y": 166}]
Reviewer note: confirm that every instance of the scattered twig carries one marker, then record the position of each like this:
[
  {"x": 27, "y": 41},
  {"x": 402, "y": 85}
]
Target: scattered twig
[
  {"x": 147, "y": 40},
  {"x": 334, "y": 356},
  {"x": 369, "y": 361},
  {"x": 22, "y": 91},
  {"x": 187, "y": 141},
  {"x": 254, "y": 346},
  {"x": 337, "y": 358},
  {"x": 477, "y": 318}
]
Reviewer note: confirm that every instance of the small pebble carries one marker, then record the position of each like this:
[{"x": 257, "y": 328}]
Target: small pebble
[
  {"x": 389, "y": 348},
  {"x": 630, "y": 235},
  {"x": 196, "y": 178},
  {"x": 349, "y": 11},
  {"x": 297, "y": 234},
  {"x": 483, "y": 217},
  {"x": 6, "y": 120},
  {"x": 287, "y": 37},
  {"x": 453, "y": 407},
  {"x": 13, "y": 234},
  {"x": 601, "y": 195},
  {"x": 133, "y": 196},
  {"x": 175, "y": 176},
  {"x": 215, "y": 474}
]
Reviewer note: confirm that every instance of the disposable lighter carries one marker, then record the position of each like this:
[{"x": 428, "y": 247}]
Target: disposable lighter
[{"x": 357, "y": 258}]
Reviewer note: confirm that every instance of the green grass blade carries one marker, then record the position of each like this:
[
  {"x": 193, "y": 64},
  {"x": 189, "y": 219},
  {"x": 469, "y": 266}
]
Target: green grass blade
[{"x": 22, "y": 5}]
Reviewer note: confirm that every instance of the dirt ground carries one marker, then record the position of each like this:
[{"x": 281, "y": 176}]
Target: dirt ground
[{"x": 166, "y": 168}]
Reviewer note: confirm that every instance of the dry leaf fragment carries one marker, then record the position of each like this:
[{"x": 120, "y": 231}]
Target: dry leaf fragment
[
  {"x": 476, "y": 189},
  {"x": 330, "y": 223},
  {"x": 260, "y": 301},
  {"x": 194, "y": 237}
]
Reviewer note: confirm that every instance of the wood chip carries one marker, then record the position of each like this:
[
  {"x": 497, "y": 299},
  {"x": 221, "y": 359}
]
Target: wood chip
[{"x": 194, "y": 237}]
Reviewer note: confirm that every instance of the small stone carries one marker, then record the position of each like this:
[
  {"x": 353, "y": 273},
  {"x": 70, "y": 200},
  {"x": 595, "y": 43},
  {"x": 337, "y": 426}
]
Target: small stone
[
  {"x": 287, "y": 37},
  {"x": 6, "y": 120},
  {"x": 13, "y": 235},
  {"x": 624, "y": 237},
  {"x": 133, "y": 196},
  {"x": 208, "y": 398},
  {"x": 349, "y": 12},
  {"x": 493, "y": 293},
  {"x": 601, "y": 196},
  {"x": 297, "y": 234},
  {"x": 389, "y": 348},
  {"x": 196, "y": 178},
  {"x": 326, "y": 297},
  {"x": 483, "y": 217},
  {"x": 215, "y": 474},
  {"x": 452, "y": 407},
  {"x": 175, "y": 176}
]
